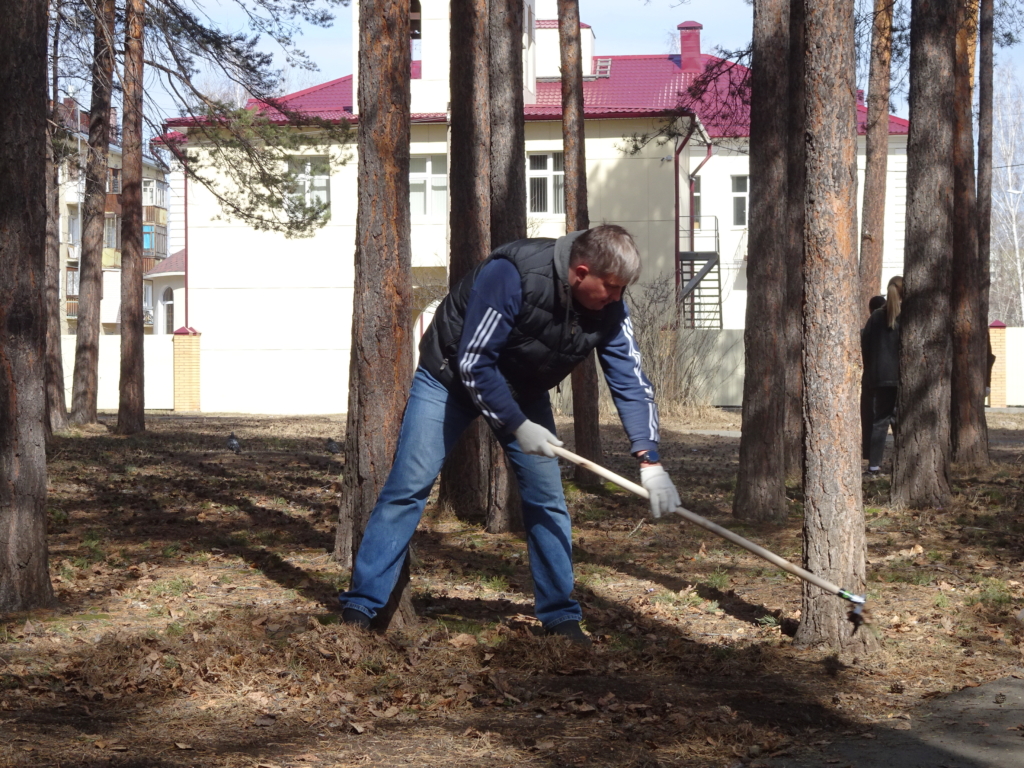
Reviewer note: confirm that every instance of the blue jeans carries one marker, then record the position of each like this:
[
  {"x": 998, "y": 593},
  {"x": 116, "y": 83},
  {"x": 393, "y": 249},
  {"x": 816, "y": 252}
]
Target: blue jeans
[{"x": 433, "y": 421}]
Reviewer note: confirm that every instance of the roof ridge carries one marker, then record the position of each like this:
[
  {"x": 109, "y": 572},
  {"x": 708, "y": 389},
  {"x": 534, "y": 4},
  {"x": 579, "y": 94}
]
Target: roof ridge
[{"x": 311, "y": 89}]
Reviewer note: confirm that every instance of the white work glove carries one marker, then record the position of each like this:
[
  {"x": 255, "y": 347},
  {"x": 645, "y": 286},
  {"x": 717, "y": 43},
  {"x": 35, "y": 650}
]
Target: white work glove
[
  {"x": 664, "y": 497},
  {"x": 535, "y": 439}
]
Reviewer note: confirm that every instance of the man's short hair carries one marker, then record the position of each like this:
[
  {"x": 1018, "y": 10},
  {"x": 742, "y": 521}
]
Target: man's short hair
[{"x": 608, "y": 250}]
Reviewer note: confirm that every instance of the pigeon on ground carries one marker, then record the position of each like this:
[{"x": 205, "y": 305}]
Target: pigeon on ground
[
  {"x": 233, "y": 444},
  {"x": 331, "y": 446}
]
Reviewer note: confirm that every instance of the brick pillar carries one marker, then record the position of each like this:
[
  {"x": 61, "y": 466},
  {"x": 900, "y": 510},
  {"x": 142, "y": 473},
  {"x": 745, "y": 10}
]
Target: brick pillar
[
  {"x": 186, "y": 369},
  {"x": 997, "y": 338}
]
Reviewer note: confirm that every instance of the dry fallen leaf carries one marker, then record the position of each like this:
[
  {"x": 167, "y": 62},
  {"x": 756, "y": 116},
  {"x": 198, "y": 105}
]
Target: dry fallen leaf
[
  {"x": 182, "y": 745},
  {"x": 264, "y": 720},
  {"x": 463, "y": 640}
]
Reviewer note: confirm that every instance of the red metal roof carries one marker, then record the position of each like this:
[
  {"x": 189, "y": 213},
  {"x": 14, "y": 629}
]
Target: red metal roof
[
  {"x": 634, "y": 86},
  {"x": 175, "y": 263},
  {"x": 553, "y": 24}
]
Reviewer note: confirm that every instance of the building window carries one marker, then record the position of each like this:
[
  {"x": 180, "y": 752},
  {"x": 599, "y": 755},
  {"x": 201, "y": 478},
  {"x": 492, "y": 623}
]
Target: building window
[
  {"x": 114, "y": 181},
  {"x": 739, "y": 201},
  {"x": 168, "y": 302},
  {"x": 695, "y": 212},
  {"x": 147, "y": 295},
  {"x": 154, "y": 240},
  {"x": 71, "y": 283},
  {"x": 112, "y": 231},
  {"x": 428, "y": 187},
  {"x": 74, "y": 226},
  {"x": 312, "y": 180},
  {"x": 154, "y": 193},
  {"x": 546, "y": 177}
]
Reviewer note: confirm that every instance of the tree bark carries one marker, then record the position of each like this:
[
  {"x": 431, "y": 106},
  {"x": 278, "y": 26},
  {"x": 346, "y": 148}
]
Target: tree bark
[
  {"x": 381, "y": 364},
  {"x": 90, "y": 290},
  {"x": 921, "y": 463},
  {"x": 508, "y": 201},
  {"x": 968, "y": 430},
  {"x": 24, "y": 571},
  {"x": 466, "y": 483},
  {"x": 56, "y": 404},
  {"x": 986, "y": 72},
  {"x": 131, "y": 414},
  {"x": 796, "y": 174},
  {"x": 876, "y": 159},
  {"x": 586, "y": 411},
  {"x": 761, "y": 486},
  {"x": 833, "y": 515}
]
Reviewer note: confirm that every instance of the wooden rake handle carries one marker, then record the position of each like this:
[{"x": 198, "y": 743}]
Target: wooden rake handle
[{"x": 718, "y": 530}]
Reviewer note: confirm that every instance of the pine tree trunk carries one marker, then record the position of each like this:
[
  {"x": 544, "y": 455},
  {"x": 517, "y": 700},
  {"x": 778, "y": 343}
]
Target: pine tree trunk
[
  {"x": 56, "y": 404},
  {"x": 585, "y": 395},
  {"x": 24, "y": 571},
  {"x": 761, "y": 486},
  {"x": 985, "y": 76},
  {"x": 381, "y": 364},
  {"x": 466, "y": 482},
  {"x": 508, "y": 202},
  {"x": 85, "y": 384},
  {"x": 876, "y": 159},
  {"x": 131, "y": 414},
  {"x": 796, "y": 173},
  {"x": 968, "y": 430},
  {"x": 833, "y": 515},
  {"x": 921, "y": 464}
]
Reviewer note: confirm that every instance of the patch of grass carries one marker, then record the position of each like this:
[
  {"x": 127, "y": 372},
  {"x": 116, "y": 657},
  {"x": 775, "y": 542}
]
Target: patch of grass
[
  {"x": 171, "y": 550},
  {"x": 461, "y": 626},
  {"x": 941, "y": 601},
  {"x": 904, "y": 575},
  {"x": 174, "y": 629},
  {"x": 176, "y": 587},
  {"x": 769, "y": 620},
  {"x": 58, "y": 519},
  {"x": 994, "y": 593},
  {"x": 495, "y": 583},
  {"x": 719, "y": 579}
]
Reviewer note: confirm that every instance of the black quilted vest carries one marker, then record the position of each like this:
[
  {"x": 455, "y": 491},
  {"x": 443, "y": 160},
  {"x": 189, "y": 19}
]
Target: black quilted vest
[{"x": 550, "y": 336}]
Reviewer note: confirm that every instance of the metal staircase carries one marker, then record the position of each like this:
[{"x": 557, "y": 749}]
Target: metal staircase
[{"x": 700, "y": 294}]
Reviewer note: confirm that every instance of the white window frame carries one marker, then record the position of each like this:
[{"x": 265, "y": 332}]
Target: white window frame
[
  {"x": 740, "y": 200},
  {"x": 154, "y": 192},
  {"x": 434, "y": 178},
  {"x": 71, "y": 282},
  {"x": 554, "y": 204},
  {"x": 74, "y": 236},
  {"x": 310, "y": 186},
  {"x": 112, "y": 231}
]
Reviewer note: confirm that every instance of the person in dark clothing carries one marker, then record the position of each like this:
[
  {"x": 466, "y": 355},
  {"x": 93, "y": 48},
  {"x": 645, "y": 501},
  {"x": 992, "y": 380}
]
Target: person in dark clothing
[
  {"x": 509, "y": 331},
  {"x": 866, "y": 393},
  {"x": 881, "y": 343}
]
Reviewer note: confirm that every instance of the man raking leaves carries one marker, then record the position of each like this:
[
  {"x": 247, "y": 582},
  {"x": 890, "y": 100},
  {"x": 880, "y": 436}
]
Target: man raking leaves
[{"x": 508, "y": 332}]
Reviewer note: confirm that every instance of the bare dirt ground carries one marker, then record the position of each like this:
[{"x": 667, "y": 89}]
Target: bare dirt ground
[{"x": 196, "y": 623}]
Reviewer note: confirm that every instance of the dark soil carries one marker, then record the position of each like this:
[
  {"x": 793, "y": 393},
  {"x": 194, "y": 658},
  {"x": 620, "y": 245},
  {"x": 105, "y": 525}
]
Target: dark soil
[{"x": 196, "y": 623}]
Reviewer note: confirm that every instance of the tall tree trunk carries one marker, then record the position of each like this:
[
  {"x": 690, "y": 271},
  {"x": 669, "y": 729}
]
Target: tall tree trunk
[
  {"x": 586, "y": 411},
  {"x": 56, "y": 403},
  {"x": 131, "y": 414},
  {"x": 986, "y": 72},
  {"x": 876, "y": 161},
  {"x": 466, "y": 484},
  {"x": 833, "y": 515},
  {"x": 24, "y": 571},
  {"x": 920, "y": 475},
  {"x": 761, "y": 485},
  {"x": 968, "y": 430},
  {"x": 90, "y": 290},
  {"x": 381, "y": 362},
  {"x": 796, "y": 174},
  {"x": 508, "y": 201}
]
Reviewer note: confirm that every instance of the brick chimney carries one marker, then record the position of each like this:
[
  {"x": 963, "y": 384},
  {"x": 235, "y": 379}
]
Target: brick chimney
[{"x": 689, "y": 47}]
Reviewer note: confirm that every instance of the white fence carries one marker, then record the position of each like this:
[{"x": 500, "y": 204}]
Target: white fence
[{"x": 158, "y": 354}]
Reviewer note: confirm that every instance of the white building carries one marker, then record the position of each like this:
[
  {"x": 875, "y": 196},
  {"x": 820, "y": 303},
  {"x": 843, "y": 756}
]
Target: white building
[{"x": 295, "y": 359}]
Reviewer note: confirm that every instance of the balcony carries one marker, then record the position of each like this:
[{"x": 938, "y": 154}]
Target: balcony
[
  {"x": 149, "y": 264},
  {"x": 72, "y": 306}
]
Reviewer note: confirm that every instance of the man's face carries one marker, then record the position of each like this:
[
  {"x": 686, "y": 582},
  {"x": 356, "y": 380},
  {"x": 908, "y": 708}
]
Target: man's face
[{"x": 592, "y": 291}]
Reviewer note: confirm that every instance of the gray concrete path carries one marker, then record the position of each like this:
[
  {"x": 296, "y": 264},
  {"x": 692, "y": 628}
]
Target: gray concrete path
[{"x": 979, "y": 727}]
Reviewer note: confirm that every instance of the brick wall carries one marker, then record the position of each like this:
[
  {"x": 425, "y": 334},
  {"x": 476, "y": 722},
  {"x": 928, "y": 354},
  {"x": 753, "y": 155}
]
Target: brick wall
[
  {"x": 186, "y": 371},
  {"x": 997, "y": 396}
]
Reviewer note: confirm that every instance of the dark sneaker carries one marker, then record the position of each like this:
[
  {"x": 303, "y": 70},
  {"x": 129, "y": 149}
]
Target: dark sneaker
[
  {"x": 872, "y": 473},
  {"x": 571, "y": 630},
  {"x": 356, "y": 618}
]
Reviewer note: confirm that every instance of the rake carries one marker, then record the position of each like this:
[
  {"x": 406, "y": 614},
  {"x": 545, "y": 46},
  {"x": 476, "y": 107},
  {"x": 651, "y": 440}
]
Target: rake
[{"x": 856, "y": 615}]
